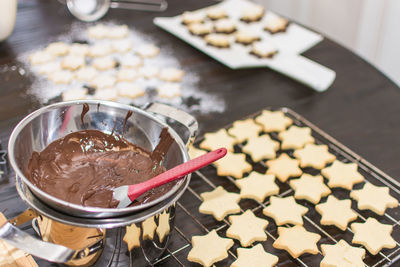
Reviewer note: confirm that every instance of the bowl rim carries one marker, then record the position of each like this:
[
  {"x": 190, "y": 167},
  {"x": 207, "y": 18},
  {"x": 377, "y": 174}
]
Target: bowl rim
[{"x": 87, "y": 211}]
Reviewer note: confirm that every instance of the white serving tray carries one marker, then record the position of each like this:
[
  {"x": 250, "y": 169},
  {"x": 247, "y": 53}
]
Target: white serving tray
[{"x": 291, "y": 43}]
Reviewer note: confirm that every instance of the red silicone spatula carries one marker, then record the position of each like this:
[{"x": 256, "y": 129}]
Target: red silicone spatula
[{"x": 128, "y": 193}]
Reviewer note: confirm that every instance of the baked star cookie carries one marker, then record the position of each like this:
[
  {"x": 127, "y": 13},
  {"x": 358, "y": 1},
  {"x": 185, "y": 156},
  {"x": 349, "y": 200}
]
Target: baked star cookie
[
  {"x": 40, "y": 57},
  {"x": 295, "y": 137},
  {"x": 122, "y": 46},
  {"x": 336, "y": 212},
  {"x": 104, "y": 63},
  {"x": 252, "y": 13},
  {"x": 373, "y": 235},
  {"x": 284, "y": 167},
  {"x": 310, "y": 188},
  {"x": 246, "y": 37},
  {"x": 261, "y": 147},
  {"x": 73, "y": 62},
  {"x": 343, "y": 175},
  {"x": 78, "y": 49},
  {"x": 195, "y": 152},
  {"x": 244, "y": 130},
  {"x": 200, "y": 29},
  {"x": 255, "y": 256},
  {"x": 316, "y": 156},
  {"x": 148, "y": 72},
  {"x": 131, "y": 90},
  {"x": 169, "y": 90},
  {"x": 61, "y": 76},
  {"x": 57, "y": 49},
  {"x": 131, "y": 61},
  {"x": 127, "y": 75},
  {"x": 163, "y": 227},
  {"x": 209, "y": 249},
  {"x": 132, "y": 236},
  {"x": 86, "y": 74},
  {"x": 276, "y": 24},
  {"x": 216, "y": 12},
  {"x": 219, "y": 40},
  {"x": 342, "y": 255},
  {"x": 99, "y": 31},
  {"x": 49, "y": 68},
  {"x": 75, "y": 94},
  {"x": 189, "y": 17},
  {"x": 117, "y": 32},
  {"x": 273, "y": 121},
  {"x": 225, "y": 26},
  {"x": 285, "y": 210},
  {"x": 263, "y": 49},
  {"x": 375, "y": 198},
  {"x": 219, "y": 203},
  {"x": 218, "y": 139},
  {"x": 257, "y": 186},
  {"x": 109, "y": 94},
  {"x": 233, "y": 164},
  {"x": 297, "y": 241},
  {"x": 171, "y": 75},
  {"x": 103, "y": 81},
  {"x": 247, "y": 228},
  {"x": 149, "y": 226},
  {"x": 148, "y": 51},
  {"x": 100, "y": 50}
]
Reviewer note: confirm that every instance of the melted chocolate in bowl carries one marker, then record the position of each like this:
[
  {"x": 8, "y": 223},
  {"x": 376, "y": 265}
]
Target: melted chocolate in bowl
[{"x": 83, "y": 167}]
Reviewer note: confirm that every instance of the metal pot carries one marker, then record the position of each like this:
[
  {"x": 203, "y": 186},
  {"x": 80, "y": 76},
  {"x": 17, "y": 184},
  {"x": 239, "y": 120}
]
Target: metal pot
[
  {"x": 143, "y": 128},
  {"x": 144, "y": 230}
]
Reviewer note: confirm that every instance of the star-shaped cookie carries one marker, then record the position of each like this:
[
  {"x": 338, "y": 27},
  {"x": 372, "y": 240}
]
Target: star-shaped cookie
[
  {"x": 247, "y": 228},
  {"x": 209, "y": 248},
  {"x": 255, "y": 256},
  {"x": 273, "y": 121},
  {"x": 148, "y": 227},
  {"x": 285, "y": 210},
  {"x": 316, "y": 156},
  {"x": 311, "y": 188},
  {"x": 132, "y": 236},
  {"x": 163, "y": 227},
  {"x": 336, "y": 212},
  {"x": 343, "y": 175},
  {"x": 261, "y": 147},
  {"x": 284, "y": 167},
  {"x": 297, "y": 241},
  {"x": 373, "y": 235},
  {"x": 257, "y": 186},
  {"x": 375, "y": 198},
  {"x": 342, "y": 255},
  {"x": 218, "y": 139},
  {"x": 233, "y": 164},
  {"x": 195, "y": 152},
  {"x": 295, "y": 137},
  {"x": 219, "y": 203},
  {"x": 244, "y": 130}
]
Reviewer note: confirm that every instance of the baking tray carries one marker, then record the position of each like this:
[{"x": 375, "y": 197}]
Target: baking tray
[{"x": 190, "y": 222}]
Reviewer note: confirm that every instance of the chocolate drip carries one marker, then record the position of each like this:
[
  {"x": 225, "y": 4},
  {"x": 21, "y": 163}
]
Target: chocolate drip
[
  {"x": 83, "y": 167},
  {"x": 85, "y": 109},
  {"x": 128, "y": 115}
]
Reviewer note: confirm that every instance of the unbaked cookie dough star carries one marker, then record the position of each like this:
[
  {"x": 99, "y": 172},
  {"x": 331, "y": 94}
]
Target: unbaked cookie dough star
[
  {"x": 273, "y": 121},
  {"x": 218, "y": 139},
  {"x": 342, "y": 255},
  {"x": 209, "y": 248},
  {"x": 316, "y": 156},
  {"x": 336, "y": 212},
  {"x": 295, "y": 137},
  {"x": 219, "y": 203},
  {"x": 247, "y": 228},
  {"x": 257, "y": 186},
  {"x": 261, "y": 147},
  {"x": 297, "y": 241},
  {"x": 375, "y": 198},
  {"x": 255, "y": 256},
  {"x": 343, "y": 175},
  {"x": 284, "y": 167},
  {"x": 285, "y": 210},
  {"x": 244, "y": 130},
  {"x": 233, "y": 164},
  {"x": 311, "y": 188},
  {"x": 373, "y": 235},
  {"x": 132, "y": 236}
]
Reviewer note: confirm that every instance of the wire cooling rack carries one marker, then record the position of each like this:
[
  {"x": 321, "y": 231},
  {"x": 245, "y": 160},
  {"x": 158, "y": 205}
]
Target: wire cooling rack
[{"x": 190, "y": 222}]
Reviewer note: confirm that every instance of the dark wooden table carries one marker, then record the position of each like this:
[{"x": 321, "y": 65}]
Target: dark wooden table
[{"x": 361, "y": 109}]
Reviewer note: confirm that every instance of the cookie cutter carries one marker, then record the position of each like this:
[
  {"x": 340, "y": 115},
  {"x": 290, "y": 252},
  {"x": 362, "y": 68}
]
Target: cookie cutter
[{"x": 92, "y": 10}]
